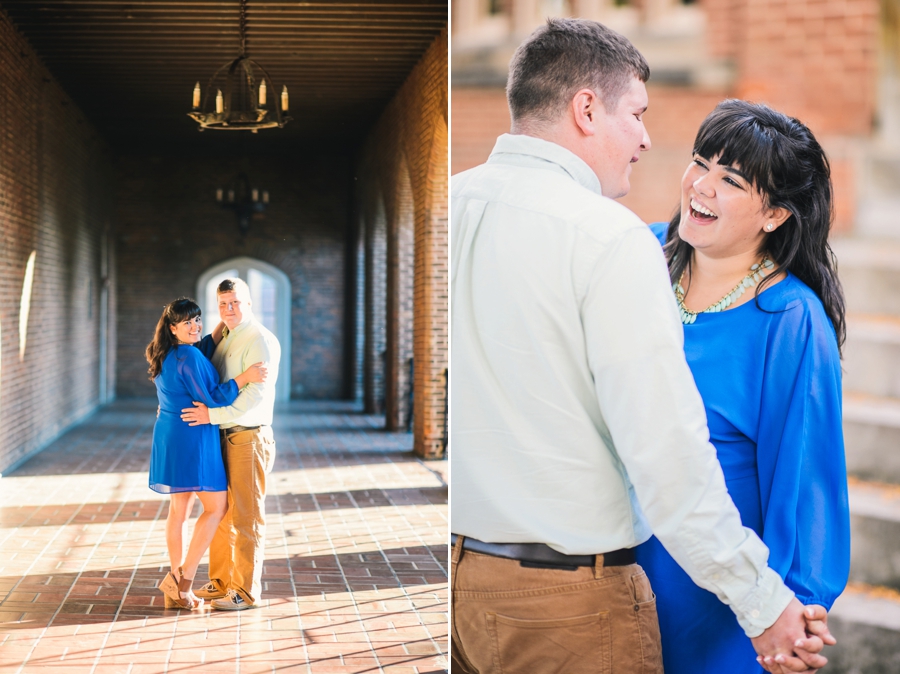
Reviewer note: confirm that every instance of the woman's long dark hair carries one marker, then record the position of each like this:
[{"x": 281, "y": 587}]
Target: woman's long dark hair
[
  {"x": 182, "y": 309},
  {"x": 788, "y": 167}
]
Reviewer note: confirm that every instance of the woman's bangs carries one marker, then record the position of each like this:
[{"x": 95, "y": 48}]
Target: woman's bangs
[
  {"x": 741, "y": 144},
  {"x": 183, "y": 310}
]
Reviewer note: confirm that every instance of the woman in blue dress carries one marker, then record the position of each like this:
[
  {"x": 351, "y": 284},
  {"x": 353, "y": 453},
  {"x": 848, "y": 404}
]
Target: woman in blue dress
[
  {"x": 186, "y": 461},
  {"x": 763, "y": 316}
]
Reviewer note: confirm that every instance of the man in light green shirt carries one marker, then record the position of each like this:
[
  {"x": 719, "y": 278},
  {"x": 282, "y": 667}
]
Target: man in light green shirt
[{"x": 248, "y": 449}]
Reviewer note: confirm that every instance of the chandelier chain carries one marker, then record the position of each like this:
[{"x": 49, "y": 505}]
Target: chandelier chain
[{"x": 243, "y": 27}]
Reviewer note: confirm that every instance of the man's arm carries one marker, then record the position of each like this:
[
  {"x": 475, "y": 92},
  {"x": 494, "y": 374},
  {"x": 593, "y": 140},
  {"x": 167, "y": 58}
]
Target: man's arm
[{"x": 657, "y": 424}]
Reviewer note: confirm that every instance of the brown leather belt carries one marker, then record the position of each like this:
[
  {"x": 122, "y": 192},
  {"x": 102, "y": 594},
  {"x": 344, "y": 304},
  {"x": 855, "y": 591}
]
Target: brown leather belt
[
  {"x": 238, "y": 429},
  {"x": 539, "y": 553}
]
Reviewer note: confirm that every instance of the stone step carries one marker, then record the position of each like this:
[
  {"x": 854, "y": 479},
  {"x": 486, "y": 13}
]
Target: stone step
[
  {"x": 879, "y": 217},
  {"x": 875, "y": 533},
  {"x": 872, "y": 436},
  {"x": 872, "y": 355},
  {"x": 869, "y": 269},
  {"x": 865, "y": 620}
]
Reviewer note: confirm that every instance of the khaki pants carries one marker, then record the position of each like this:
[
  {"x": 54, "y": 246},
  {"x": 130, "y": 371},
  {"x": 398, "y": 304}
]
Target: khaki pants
[
  {"x": 510, "y": 619},
  {"x": 238, "y": 548}
]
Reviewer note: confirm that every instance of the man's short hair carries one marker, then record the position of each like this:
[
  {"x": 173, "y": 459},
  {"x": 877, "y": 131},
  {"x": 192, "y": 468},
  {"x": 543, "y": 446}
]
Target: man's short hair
[
  {"x": 234, "y": 285},
  {"x": 565, "y": 56}
]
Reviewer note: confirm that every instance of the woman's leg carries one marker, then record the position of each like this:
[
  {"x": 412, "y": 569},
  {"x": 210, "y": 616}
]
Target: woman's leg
[
  {"x": 215, "y": 503},
  {"x": 180, "y": 506}
]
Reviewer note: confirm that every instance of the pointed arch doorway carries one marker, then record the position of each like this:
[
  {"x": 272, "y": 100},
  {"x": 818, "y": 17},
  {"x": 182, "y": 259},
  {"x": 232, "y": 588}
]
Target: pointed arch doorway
[{"x": 270, "y": 290}]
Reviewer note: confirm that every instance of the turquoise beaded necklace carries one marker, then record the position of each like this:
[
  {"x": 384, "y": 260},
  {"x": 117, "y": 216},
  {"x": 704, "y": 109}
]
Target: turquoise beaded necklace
[{"x": 757, "y": 273}]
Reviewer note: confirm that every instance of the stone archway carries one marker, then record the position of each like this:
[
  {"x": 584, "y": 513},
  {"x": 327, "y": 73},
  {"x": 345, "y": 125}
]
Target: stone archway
[{"x": 270, "y": 289}]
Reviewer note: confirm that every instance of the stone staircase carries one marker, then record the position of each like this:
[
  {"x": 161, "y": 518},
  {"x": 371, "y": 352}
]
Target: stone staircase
[{"x": 866, "y": 618}]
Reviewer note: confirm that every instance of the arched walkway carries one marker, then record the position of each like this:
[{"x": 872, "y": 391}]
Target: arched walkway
[
  {"x": 355, "y": 577},
  {"x": 270, "y": 289}
]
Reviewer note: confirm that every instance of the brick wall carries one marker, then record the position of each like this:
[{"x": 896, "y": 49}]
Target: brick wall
[
  {"x": 814, "y": 59},
  {"x": 171, "y": 230},
  {"x": 55, "y": 201},
  {"x": 409, "y": 146}
]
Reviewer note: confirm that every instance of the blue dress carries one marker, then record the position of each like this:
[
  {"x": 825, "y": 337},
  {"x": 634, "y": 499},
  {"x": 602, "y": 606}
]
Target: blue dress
[
  {"x": 771, "y": 386},
  {"x": 184, "y": 457}
]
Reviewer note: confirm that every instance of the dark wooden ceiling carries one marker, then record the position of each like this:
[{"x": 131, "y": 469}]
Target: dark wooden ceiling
[{"x": 131, "y": 66}]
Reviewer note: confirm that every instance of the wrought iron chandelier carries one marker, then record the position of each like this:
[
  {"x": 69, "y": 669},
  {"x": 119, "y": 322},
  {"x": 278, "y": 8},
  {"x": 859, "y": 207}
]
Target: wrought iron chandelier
[
  {"x": 240, "y": 101},
  {"x": 244, "y": 200}
]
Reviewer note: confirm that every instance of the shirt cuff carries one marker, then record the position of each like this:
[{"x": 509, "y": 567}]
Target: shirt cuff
[
  {"x": 759, "y": 610},
  {"x": 215, "y": 417}
]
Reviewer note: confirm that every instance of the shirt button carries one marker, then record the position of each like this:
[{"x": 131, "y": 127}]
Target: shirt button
[{"x": 754, "y": 613}]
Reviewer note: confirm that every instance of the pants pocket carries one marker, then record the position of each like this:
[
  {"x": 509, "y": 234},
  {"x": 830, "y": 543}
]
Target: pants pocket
[
  {"x": 578, "y": 645},
  {"x": 648, "y": 624}
]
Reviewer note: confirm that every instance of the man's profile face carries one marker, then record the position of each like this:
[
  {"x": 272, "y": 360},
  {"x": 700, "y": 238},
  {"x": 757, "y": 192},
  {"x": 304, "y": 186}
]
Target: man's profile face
[
  {"x": 231, "y": 307},
  {"x": 620, "y": 140}
]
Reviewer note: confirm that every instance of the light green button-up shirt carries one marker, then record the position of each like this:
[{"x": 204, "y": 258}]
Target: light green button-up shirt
[
  {"x": 574, "y": 418},
  {"x": 249, "y": 343}
]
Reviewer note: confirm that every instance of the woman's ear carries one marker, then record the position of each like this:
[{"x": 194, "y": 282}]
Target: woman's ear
[{"x": 777, "y": 217}]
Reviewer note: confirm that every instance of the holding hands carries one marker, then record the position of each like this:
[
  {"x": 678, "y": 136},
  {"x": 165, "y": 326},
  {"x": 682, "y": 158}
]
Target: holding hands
[{"x": 794, "y": 642}]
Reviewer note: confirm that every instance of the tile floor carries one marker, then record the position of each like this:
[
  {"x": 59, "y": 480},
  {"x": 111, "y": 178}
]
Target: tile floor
[{"x": 356, "y": 558}]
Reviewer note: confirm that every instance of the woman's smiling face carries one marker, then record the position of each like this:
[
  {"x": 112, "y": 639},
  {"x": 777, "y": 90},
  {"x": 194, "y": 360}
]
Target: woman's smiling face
[
  {"x": 188, "y": 332},
  {"x": 722, "y": 212}
]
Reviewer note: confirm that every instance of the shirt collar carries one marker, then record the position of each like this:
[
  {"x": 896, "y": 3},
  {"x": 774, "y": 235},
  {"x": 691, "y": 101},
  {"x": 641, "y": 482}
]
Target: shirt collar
[
  {"x": 240, "y": 326},
  {"x": 528, "y": 150}
]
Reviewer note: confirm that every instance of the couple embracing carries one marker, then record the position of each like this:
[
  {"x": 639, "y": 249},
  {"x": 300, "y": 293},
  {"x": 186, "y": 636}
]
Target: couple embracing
[
  {"x": 648, "y": 466},
  {"x": 213, "y": 441}
]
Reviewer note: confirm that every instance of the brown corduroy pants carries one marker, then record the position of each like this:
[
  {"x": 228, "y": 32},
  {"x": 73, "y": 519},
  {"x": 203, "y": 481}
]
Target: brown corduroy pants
[
  {"x": 510, "y": 619},
  {"x": 238, "y": 549}
]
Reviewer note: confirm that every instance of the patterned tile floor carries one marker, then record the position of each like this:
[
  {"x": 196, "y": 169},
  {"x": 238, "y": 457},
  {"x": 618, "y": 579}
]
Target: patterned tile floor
[{"x": 356, "y": 557}]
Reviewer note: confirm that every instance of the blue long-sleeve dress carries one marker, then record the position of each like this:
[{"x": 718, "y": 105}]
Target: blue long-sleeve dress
[
  {"x": 771, "y": 384},
  {"x": 184, "y": 457}
]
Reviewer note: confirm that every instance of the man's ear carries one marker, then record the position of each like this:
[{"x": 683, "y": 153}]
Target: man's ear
[{"x": 585, "y": 109}]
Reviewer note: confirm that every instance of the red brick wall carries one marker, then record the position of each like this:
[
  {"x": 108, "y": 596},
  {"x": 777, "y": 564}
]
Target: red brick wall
[
  {"x": 56, "y": 183},
  {"x": 479, "y": 116},
  {"x": 171, "y": 230},
  {"x": 409, "y": 143}
]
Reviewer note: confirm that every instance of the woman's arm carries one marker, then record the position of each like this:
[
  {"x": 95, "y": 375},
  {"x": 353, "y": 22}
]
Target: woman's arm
[
  {"x": 216, "y": 334},
  {"x": 255, "y": 374},
  {"x": 800, "y": 455},
  {"x": 202, "y": 380}
]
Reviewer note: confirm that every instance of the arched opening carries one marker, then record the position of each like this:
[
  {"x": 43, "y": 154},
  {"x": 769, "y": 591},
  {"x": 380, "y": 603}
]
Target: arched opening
[
  {"x": 375, "y": 302},
  {"x": 270, "y": 290},
  {"x": 400, "y": 273}
]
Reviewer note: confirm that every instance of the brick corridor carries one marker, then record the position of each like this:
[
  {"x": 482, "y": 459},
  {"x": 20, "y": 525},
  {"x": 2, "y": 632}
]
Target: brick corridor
[{"x": 356, "y": 561}]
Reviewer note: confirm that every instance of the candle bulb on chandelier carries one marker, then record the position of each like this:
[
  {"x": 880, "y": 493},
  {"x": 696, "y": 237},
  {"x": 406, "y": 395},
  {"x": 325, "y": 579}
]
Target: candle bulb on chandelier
[
  {"x": 262, "y": 93},
  {"x": 219, "y": 195},
  {"x": 220, "y": 102},
  {"x": 284, "y": 99},
  {"x": 255, "y": 195},
  {"x": 197, "y": 95},
  {"x": 265, "y": 196}
]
